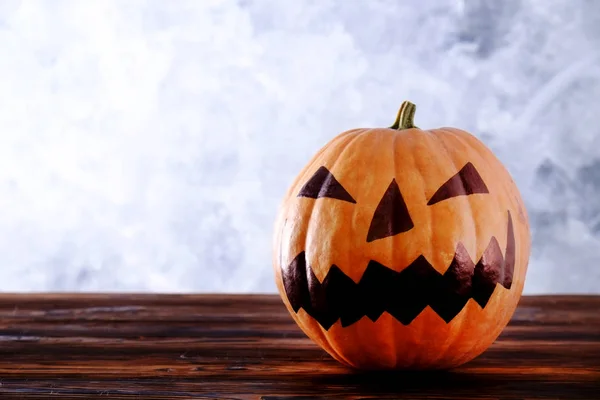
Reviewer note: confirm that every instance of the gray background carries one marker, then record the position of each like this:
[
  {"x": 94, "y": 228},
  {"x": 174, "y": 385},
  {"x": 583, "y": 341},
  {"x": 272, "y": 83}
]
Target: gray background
[{"x": 145, "y": 145}]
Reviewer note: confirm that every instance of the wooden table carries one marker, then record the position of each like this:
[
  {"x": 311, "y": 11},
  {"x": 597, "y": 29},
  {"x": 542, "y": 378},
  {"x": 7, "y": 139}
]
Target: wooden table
[{"x": 84, "y": 346}]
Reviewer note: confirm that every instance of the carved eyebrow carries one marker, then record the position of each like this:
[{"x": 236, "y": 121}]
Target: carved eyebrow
[
  {"x": 467, "y": 181},
  {"x": 324, "y": 184}
]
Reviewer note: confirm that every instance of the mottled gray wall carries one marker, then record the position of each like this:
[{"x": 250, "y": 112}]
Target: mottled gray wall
[{"x": 145, "y": 145}]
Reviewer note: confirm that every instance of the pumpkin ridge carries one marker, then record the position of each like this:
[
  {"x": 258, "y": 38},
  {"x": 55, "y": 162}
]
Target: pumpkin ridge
[
  {"x": 392, "y": 248},
  {"x": 449, "y": 153},
  {"x": 458, "y": 135},
  {"x": 345, "y": 138},
  {"x": 309, "y": 222}
]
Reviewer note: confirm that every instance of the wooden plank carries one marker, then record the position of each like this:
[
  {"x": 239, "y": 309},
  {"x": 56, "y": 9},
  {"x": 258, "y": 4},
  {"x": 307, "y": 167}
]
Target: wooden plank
[{"x": 125, "y": 346}]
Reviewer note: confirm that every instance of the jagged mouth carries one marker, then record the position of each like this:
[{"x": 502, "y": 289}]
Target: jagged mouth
[{"x": 405, "y": 294}]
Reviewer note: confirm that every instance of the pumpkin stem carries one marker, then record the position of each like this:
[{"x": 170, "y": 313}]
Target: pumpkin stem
[{"x": 405, "y": 117}]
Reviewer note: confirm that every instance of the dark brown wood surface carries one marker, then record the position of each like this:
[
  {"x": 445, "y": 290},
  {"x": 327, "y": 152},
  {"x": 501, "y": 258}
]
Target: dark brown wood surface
[{"x": 247, "y": 347}]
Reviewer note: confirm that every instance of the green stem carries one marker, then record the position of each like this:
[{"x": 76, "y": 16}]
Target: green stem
[{"x": 405, "y": 117}]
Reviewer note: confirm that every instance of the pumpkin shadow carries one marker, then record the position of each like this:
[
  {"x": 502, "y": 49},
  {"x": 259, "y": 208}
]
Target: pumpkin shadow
[{"x": 406, "y": 382}]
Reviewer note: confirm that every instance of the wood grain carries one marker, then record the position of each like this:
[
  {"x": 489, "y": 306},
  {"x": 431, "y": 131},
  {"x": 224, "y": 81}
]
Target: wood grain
[{"x": 85, "y": 346}]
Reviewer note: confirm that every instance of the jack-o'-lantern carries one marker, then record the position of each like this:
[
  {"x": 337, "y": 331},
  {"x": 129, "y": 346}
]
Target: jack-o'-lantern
[{"x": 402, "y": 248}]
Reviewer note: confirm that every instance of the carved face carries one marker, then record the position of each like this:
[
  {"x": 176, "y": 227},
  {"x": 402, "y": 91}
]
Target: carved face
[{"x": 402, "y": 237}]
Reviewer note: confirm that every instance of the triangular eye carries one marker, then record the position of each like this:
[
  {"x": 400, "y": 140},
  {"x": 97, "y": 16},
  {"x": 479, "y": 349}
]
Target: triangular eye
[
  {"x": 324, "y": 184},
  {"x": 391, "y": 215},
  {"x": 467, "y": 181}
]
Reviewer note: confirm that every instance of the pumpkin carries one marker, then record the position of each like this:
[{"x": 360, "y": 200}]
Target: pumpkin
[{"x": 402, "y": 248}]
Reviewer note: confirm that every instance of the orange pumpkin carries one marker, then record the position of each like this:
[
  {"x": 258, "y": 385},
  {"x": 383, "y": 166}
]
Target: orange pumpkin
[{"x": 402, "y": 248}]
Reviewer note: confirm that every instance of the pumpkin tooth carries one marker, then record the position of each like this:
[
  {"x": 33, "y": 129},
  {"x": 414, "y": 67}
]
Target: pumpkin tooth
[{"x": 511, "y": 254}]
